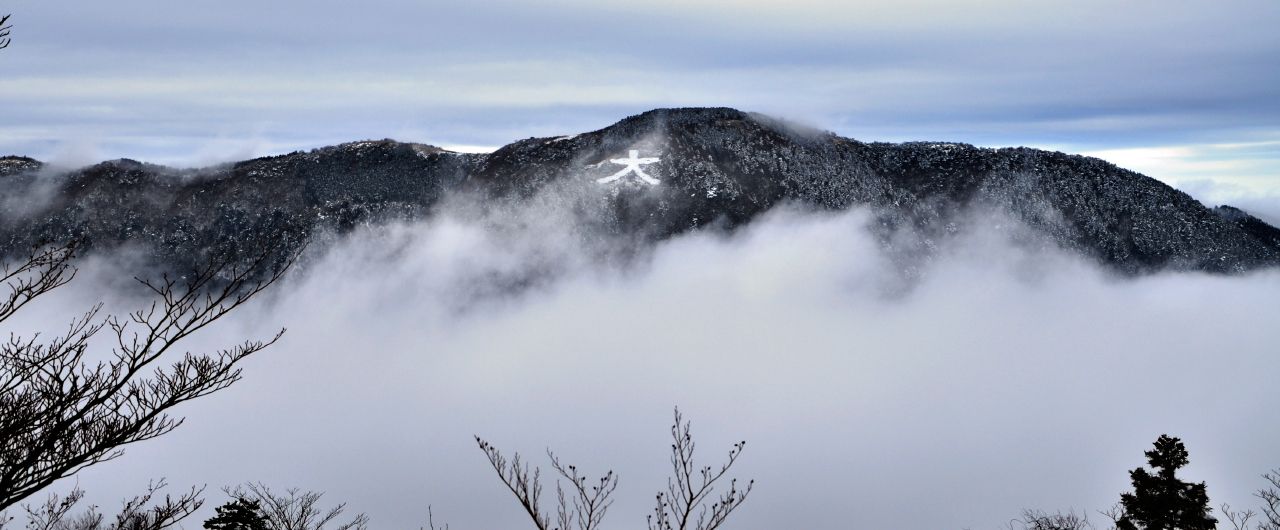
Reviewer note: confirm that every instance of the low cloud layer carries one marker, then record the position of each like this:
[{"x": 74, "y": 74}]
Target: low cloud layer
[
  {"x": 1006, "y": 378},
  {"x": 1264, "y": 205}
]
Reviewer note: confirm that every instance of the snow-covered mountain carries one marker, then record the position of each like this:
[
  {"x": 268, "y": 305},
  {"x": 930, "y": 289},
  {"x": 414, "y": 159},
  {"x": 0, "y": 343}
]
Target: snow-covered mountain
[{"x": 714, "y": 168}]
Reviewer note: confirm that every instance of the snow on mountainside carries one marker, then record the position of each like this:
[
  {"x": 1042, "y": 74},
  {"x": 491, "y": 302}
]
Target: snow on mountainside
[{"x": 705, "y": 167}]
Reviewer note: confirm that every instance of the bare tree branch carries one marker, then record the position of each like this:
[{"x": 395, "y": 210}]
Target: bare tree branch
[
  {"x": 1239, "y": 520},
  {"x": 296, "y": 509},
  {"x": 690, "y": 488},
  {"x": 431, "y": 521},
  {"x": 60, "y": 413},
  {"x": 688, "y": 504},
  {"x": 1270, "y": 496},
  {"x": 582, "y": 506},
  {"x": 4, "y": 32},
  {"x": 589, "y": 503},
  {"x": 137, "y": 513},
  {"x": 1268, "y": 518},
  {"x": 1114, "y": 513},
  {"x": 41, "y": 271},
  {"x": 523, "y": 482},
  {"x": 1039, "y": 520}
]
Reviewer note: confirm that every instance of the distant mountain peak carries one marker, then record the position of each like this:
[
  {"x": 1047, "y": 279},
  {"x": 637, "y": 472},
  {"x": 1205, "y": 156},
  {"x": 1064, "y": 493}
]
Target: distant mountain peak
[
  {"x": 706, "y": 166},
  {"x": 12, "y": 165}
]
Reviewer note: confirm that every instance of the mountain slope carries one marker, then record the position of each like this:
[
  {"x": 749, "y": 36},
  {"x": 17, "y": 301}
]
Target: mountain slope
[{"x": 718, "y": 167}]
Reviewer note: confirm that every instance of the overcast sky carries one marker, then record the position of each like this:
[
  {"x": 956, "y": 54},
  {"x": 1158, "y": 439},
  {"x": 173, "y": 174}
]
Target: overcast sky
[{"x": 1184, "y": 91}]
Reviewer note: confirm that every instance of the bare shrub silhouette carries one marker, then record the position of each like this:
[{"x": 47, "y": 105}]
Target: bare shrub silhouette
[
  {"x": 688, "y": 503},
  {"x": 1040, "y": 520},
  {"x": 137, "y": 513},
  {"x": 296, "y": 509},
  {"x": 584, "y": 506},
  {"x": 1268, "y": 516},
  {"x": 690, "y": 488}
]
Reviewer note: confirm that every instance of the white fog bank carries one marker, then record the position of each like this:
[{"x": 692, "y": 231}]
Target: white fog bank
[{"x": 1005, "y": 379}]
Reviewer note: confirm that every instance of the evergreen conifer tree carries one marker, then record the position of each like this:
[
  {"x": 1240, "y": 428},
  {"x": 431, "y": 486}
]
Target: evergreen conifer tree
[
  {"x": 1162, "y": 501},
  {"x": 238, "y": 514}
]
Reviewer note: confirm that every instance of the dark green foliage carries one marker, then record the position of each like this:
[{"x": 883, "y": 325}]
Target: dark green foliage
[
  {"x": 1160, "y": 500},
  {"x": 238, "y": 514}
]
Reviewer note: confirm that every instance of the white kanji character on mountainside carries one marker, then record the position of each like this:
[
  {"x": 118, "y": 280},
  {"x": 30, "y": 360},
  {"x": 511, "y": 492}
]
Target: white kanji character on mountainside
[{"x": 632, "y": 163}]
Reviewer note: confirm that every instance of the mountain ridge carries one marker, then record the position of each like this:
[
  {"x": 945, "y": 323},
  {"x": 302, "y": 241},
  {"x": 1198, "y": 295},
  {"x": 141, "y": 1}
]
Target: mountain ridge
[{"x": 715, "y": 167}]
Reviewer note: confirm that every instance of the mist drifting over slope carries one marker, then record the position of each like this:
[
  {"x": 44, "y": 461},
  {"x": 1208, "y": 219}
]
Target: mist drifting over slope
[{"x": 1006, "y": 375}]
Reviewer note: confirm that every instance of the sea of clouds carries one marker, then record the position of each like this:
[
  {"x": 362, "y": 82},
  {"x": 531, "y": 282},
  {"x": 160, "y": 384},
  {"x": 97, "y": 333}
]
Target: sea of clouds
[{"x": 1004, "y": 377}]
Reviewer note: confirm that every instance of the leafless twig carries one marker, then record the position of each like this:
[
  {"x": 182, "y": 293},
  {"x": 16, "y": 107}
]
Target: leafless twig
[
  {"x": 431, "y": 521},
  {"x": 690, "y": 488}
]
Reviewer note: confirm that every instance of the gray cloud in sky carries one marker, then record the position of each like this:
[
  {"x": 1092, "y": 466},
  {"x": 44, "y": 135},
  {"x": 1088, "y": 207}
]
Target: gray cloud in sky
[
  {"x": 1008, "y": 378},
  {"x": 159, "y": 81}
]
